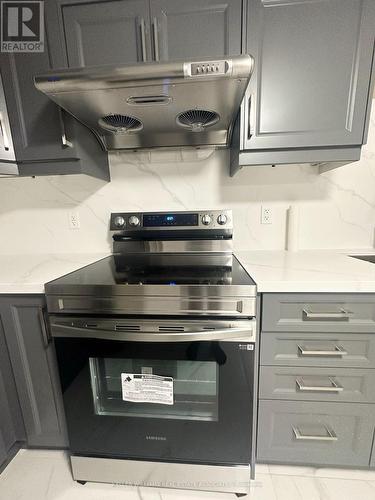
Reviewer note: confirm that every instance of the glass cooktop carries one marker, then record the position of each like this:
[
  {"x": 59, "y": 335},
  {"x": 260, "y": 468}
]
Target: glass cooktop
[{"x": 160, "y": 269}]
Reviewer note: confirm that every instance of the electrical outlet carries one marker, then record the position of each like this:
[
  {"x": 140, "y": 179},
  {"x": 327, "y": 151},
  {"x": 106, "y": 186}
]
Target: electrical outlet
[
  {"x": 266, "y": 215},
  {"x": 74, "y": 220}
]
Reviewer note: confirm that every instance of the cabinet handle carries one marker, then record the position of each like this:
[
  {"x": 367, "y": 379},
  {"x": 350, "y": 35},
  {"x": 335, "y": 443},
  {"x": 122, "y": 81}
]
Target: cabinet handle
[
  {"x": 342, "y": 315},
  {"x": 4, "y": 133},
  {"x": 143, "y": 39},
  {"x": 44, "y": 326},
  {"x": 329, "y": 436},
  {"x": 335, "y": 387},
  {"x": 338, "y": 351},
  {"x": 156, "y": 38},
  {"x": 250, "y": 117},
  {"x": 64, "y": 140}
]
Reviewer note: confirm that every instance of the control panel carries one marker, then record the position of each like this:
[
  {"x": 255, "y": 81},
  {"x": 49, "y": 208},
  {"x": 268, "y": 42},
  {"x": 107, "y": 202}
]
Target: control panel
[
  {"x": 135, "y": 221},
  {"x": 204, "y": 68}
]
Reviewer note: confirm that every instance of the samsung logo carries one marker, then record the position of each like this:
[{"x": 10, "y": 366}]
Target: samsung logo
[{"x": 156, "y": 438}]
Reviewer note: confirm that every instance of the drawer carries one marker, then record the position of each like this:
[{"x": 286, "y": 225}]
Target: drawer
[
  {"x": 337, "y": 434},
  {"x": 317, "y": 384},
  {"x": 292, "y": 312},
  {"x": 351, "y": 350}
]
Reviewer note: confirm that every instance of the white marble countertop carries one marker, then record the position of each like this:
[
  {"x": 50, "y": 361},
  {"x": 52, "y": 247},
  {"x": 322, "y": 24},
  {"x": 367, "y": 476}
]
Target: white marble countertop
[
  {"x": 272, "y": 270},
  {"x": 25, "y": 274},
  {"x": 310, "y": 270}
]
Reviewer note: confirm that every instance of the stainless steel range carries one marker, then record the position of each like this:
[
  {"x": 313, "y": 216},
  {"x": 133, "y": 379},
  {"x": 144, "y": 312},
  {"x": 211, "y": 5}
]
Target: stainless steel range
[{"x": 155, "y": 346}]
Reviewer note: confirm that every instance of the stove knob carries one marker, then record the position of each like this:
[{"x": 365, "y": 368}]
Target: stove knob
[
  {"x": 206, "y": 219},
  {"x": 134, "y": 221},
  {"x": 222, "y": 219},
  {"x": 119, "y": 221}
]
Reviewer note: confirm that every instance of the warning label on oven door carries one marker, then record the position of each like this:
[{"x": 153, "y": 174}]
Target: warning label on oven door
[{"x": 144, "y": 388}]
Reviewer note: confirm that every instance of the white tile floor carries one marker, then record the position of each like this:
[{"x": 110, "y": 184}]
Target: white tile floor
[{"x": 45, "y": 475}]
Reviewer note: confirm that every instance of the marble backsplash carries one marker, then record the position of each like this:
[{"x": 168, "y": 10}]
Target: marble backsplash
[{"x": 336, "y": 209}]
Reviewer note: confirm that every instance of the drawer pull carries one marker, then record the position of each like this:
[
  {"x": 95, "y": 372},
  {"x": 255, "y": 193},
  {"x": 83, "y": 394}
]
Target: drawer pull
[
  {"x": 302, "y": 387},
  {"x": 329, "y": 436},
  {"x": 337, "y": 352},
  {"x": 342, "y": 315}
]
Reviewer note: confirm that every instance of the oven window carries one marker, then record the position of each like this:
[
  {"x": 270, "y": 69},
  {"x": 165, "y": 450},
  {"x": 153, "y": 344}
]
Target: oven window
[{"x": 177, "y": 389}]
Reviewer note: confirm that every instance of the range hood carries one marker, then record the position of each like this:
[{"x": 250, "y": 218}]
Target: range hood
[{"x": 150, "y": 105}]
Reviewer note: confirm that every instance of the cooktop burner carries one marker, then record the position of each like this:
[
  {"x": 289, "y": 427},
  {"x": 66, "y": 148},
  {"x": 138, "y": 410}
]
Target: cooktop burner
[
  {"x": 175, "y": 264},
  {"x": 133, "y": 269}
]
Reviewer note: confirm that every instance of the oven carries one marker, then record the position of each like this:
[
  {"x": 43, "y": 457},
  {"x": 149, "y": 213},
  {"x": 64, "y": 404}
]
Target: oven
[
  {"x": 157, "y": 389},
  {"x": 156, "y": 349}
]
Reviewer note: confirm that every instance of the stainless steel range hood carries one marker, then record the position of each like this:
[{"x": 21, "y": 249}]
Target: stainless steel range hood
[{"x": 150, "y": 105}]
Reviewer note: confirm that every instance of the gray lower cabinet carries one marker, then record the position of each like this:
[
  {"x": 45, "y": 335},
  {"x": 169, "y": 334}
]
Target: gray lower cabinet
[
  {"x": 309, "y": 98},
  {"x": 7, "y": 431},
  {"x": 310, "y": 433},
  {"x": 3, "y": 450},
  {"x": 351, "y": 350},
  {"x": 372, "y": 463},
  {"x": 317, "y": 312},
  {"x": 94, "y": 32},
  {"x": 11, "y": 422},
  {"x": 35, "y": 370},
  {"x": 316, "y": 379},
  {"x": 317, "y": 384}
]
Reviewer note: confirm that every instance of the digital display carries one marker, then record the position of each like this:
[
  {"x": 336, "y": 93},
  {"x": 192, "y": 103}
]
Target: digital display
[{"x": 162, "y": 220}]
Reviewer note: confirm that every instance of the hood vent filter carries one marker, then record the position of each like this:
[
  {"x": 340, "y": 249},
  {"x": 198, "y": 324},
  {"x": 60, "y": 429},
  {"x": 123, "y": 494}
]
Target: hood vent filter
[
  {"x": 197, "y": 119},
  {"x": 120, "y": 124}
]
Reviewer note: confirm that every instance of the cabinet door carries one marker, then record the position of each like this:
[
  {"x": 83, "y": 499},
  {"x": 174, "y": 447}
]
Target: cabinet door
[
  {"x": 11, "y": 425},
  {"x": 3, "y": 450},
  {"x": 312, "y": 73},
  {"x": 34, "y": 119},
  {"x": 35, "y": 371},
  {"x": 317, "y": 384},
  {"x": 113, "y": 32},
  {"x": 336, "y": 434},
  {"x": 317, "y": 312},
  {"x": 6, "y": 143},
  {"x": 38, "y": 126},
  {"x": 7, "y": 431},
  {"x": 372, "y": 463},
  {"x": 195, "y": 29},
  {"x": 326, "y": 349}
]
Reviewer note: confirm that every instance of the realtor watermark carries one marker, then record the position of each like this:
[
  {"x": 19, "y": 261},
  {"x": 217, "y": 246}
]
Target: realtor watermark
[{"x": 22, "y": 26}]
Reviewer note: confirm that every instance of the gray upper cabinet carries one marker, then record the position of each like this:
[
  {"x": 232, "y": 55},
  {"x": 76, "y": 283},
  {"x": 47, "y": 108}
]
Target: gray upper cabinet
[
  {"x": 35, "y": 370},
  {"x": 6, "y": 143},
  {"x": 42, "y": 139},
  {"x": 309, "y": 96},
  {"x": 183, "y": 29},
  {"x": 106, "y": 32},
  {"x": 128, "y": 31}
]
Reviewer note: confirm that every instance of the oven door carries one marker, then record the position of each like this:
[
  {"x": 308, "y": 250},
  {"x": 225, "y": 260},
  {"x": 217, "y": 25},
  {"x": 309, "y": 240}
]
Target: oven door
[{"x": 172, "y": 399}]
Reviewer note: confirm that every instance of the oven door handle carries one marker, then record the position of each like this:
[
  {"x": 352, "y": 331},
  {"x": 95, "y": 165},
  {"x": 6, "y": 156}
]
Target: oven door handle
[{"x": 59, "y": 330}]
